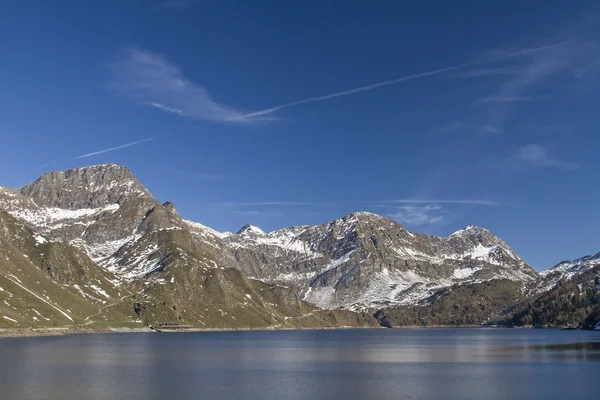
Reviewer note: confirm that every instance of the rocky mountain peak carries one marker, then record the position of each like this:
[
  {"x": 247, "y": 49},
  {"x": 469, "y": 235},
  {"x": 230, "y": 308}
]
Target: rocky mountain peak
[
  {"x": 582, "y": 261},
  {"x": 469, "y": 230},
  {"x": 88, "y": 187},
  {"x": 250, "y": 229}
]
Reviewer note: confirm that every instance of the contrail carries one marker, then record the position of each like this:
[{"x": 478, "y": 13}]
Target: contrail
[
  {"x": 398, "y": 80},
  {"x": 95, "y": 153},
  {"x": 477, "y": 202}
]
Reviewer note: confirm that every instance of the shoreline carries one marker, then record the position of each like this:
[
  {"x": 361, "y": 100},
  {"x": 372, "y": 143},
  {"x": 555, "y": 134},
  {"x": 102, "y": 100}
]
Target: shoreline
[
  {"x": 49, "y": 332},
  {"x": 41, "y": 332}
]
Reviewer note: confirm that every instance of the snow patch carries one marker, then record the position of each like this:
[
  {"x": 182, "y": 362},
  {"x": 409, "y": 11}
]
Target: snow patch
[
  {"x": 39, "y": 239},
  {"x": 339, "y": 261},
  {"x": 199, "y": 228},
  {"x": 100, "y": 291}
]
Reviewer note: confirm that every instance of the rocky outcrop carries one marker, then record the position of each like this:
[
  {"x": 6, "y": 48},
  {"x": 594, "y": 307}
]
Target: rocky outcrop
[
  {"x": 96, "y": 230},
  {"x": 366, "y": 260},
  {"x": 85, "y": 188}
]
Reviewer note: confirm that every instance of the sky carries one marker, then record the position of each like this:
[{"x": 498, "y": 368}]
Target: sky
[{"x": 435, "y": 114}]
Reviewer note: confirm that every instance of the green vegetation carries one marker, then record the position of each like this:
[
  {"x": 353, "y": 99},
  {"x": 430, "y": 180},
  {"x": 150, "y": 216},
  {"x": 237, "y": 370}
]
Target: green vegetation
[
  {"x": 472, "y": 304},
  {"x": 571, "y": 303},
  {"x": 54, "y": 285}
]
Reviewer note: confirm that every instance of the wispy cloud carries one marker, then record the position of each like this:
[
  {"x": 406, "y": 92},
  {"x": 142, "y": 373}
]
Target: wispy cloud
[
  {"x": 540, "y": 129},
  {"x": 503, "y": 99},
  {"x": 269, "y": 204},
  {"x": 460, "y": 127},
  {"x": 399, "y": 80},
  {"x": 155, "y": 81},
  {"x": 123, "y": 146},
  {"x": 418, "y": 215},
  {"x": 449, "y": 128},
  {"x": 163, "y": 107},
  {"x": 556, "y": 64},
  {"x": 281, "y": 203},
  {"x": 491, "y": 129},
  {"x": 479, "y": 202},
  {"x": 535, "y": 155},
  {"x": 46, "y": 165},
  {"x": 422, "y": 211},
  {"x": 241, "y": 209},
  {"x": 488, "y": 72},
  {"x": 246, "y": 212},
  {"x": 207, "y": 176}
]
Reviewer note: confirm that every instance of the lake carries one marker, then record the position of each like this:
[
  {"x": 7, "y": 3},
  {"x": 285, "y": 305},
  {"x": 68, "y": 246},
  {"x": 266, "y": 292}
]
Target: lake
[{"x": 336, "y": 364}]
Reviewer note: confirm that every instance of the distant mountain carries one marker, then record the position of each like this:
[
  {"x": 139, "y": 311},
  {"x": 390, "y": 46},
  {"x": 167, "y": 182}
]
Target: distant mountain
[
  {"x": 174, "y": 272},
  {"x": 566, "y": 295},
  {"x": 564, "y": 271},
  {"x": 250, "y": 229},
  {"x": 93, "y": 244},
  {"x": 367, "y": 261}
]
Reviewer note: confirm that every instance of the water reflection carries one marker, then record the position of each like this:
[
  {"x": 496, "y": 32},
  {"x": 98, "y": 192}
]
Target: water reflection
[{"x": 353, "y": 364}]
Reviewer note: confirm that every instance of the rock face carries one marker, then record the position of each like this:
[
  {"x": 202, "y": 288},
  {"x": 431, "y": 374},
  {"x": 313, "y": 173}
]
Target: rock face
[
  {"x": 86, "y": 188},
  {"x": 62, "y": 205},
  {"x": 99, "y": 228},
  {"x": 565, "y": 270},
  {"x": 365, "y": 260},
  {"x": 360, "y": 261},
  {"x": 96, "y": 235}
]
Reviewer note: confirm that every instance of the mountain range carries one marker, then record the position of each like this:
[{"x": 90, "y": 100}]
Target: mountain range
[{"x": 91, "y": 248}]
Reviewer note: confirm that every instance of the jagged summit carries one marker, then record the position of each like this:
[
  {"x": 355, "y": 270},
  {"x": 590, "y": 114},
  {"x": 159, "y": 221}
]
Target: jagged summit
[
  {"x": 469, "y": 230},
  {"x": 87, "y": 187},
  {"x": 577, "y": 264},
  {"x": 364, "y": 214},
  {"x": 370, "y": 260},
  {"x": 250, "y": 229},
  {"x": 361, "y": 260}
]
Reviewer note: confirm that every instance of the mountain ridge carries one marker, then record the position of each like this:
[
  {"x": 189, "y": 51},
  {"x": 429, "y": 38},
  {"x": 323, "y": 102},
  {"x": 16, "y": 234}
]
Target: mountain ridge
[{"x": 359, "y": 263}]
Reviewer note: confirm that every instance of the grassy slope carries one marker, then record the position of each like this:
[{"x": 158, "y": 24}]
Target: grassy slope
[
  {"x": 39, "y": 280},
  {"x": 193, "y": 289},
  {"x": 54, "y": 285}
]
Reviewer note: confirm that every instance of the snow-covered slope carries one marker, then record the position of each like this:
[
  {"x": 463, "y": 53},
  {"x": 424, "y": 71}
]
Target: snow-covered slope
[
  {"x": 366, "y": 260},
  {"x": 250, "y": 230},
  {"x": 563, "y": 271},
  {"x": 361, "y": 260},
  {"x": 98, "y": 209}
]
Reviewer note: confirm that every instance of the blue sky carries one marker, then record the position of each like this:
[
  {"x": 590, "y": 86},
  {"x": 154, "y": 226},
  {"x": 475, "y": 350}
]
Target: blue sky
[{"x": 435, "y": 114}]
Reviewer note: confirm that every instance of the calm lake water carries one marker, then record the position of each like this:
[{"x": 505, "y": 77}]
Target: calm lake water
[{"x": 346, "y": 364}]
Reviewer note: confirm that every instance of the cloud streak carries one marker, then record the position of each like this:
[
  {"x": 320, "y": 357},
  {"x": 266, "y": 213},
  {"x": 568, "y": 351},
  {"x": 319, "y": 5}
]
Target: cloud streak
[
  {"x": 163, "y": 107},
  {"x": 535, "y": 155},
  {"x": 459, "y": 127},
  {"x": 559, "y": 63},
  {"x": 418, "y": 215},
  {"x": 156, "y": 82},
  {"x": 477, "y": 202},
  {"x": 123, "y": 146},
  {"x": 488, "y": 72},
  {"x": 398, "y": 80},
  {"x": 281, "y": 203},
  {"x": 503, "y": 99},
  {"x": 269, "y": 204},
  {"x": 207, "y": 176}
]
